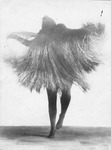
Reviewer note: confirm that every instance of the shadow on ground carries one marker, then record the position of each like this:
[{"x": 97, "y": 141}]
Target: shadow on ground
[{"x": 39, "y": 134}]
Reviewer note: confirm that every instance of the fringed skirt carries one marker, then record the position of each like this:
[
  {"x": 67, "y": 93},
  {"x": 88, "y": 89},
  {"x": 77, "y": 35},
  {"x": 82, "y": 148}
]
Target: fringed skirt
[{"x": 56, "y": 65}]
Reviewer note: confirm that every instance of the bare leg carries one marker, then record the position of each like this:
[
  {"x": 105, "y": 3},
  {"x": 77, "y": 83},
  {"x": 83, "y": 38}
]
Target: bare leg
[
  {"x": 52, "y": 98},
  {"x": 65, "y": 100}
]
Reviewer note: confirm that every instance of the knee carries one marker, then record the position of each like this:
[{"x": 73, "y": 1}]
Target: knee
[
  {"x": 66, "y": 93},
  {"x": 66, "y": 96}
]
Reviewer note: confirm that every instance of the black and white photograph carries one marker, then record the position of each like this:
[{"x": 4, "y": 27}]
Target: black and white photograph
[{"x": 55, "y": 75}]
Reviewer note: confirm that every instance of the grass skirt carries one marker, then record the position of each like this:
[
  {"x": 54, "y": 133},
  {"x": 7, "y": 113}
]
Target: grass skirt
[{"x": 56, "y": 63}]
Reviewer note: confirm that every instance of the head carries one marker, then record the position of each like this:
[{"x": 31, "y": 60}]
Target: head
[{"x": 48, "y": 22}]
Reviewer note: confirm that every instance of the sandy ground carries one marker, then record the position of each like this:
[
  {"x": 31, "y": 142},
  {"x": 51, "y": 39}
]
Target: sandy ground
[{"x": 67, "y": 138}]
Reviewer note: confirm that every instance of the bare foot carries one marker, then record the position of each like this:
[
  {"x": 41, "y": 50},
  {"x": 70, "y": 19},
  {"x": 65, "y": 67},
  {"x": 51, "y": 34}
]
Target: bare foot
[
  {"x": 59, "y": 124},
  {"x": 50, "y": 136}
]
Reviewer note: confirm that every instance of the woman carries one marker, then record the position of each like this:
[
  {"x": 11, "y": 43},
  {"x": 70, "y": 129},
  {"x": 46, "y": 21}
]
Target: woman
[{"x": 56, "y": 58}]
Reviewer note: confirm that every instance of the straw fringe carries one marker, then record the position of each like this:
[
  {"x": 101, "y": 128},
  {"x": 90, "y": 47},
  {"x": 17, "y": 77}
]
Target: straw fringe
[{"x": 56, "y": 62}]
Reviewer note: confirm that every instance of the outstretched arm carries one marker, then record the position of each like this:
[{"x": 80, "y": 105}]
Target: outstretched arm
[
  {"x": 20, "y": 39},
  {"x": 23, "y": 37},
  {"x": 26, "y": 35},
  {"x": 88, "y": 30}
]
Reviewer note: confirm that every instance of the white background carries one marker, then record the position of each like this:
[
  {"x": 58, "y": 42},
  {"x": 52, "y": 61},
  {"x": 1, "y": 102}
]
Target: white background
[{"x": 18, "y": 106}]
